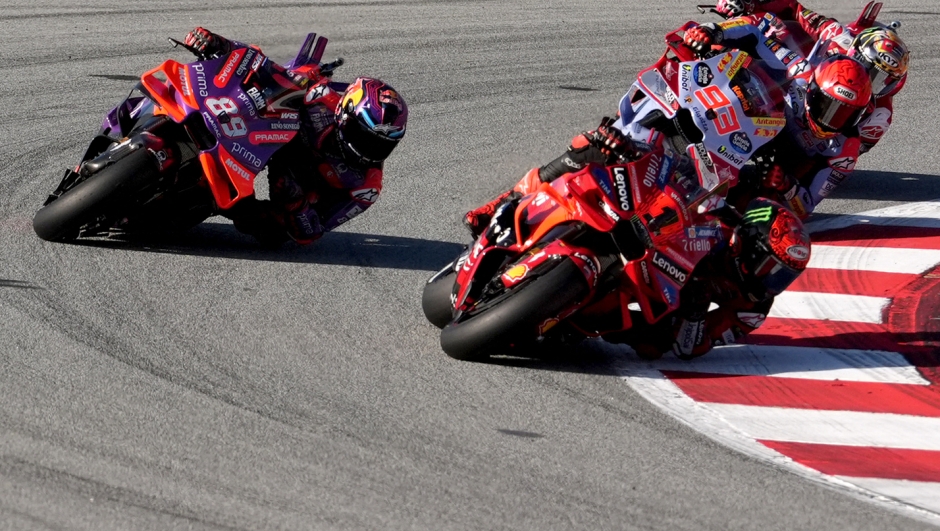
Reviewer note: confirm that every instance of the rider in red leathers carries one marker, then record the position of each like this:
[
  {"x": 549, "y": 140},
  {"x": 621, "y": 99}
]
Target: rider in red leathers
[
  {"x": 332, "y": 170},
  {"x": 768, "y": 250}
]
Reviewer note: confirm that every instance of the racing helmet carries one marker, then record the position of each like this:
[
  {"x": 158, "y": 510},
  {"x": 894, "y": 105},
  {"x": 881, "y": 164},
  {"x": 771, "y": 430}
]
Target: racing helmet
[
  {"x": 885, "y": 55},
  {"x": 838, "y": 96},
  {"x": 772, "y": 248},
  {"x": 370, "y": 119}
]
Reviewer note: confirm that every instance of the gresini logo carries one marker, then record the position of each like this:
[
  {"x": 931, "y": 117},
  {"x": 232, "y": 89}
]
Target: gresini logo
[
  {"x": 623, "y": 189},
  {"x": 669, "y": 267}
]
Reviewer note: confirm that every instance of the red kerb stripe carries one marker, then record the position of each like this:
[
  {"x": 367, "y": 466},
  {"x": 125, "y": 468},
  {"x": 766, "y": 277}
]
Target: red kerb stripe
[
  {"x": 769, "y": 391},
  {"x": 852, "y": 282},
  {"x": 863, "y": 461},
  {"x": 881, "y": 236}
]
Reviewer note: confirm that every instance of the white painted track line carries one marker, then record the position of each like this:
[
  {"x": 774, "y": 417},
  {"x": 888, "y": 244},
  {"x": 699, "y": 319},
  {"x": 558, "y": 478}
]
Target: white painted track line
[
  {"x": 848, "y": 428},
  {"x": 829, "y": 307}
]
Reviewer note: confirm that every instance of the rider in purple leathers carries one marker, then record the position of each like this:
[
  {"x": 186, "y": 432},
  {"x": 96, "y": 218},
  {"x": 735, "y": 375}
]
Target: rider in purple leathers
[
  {"x": 824, "y": 105},
  {"x": 332, "y": 170}
]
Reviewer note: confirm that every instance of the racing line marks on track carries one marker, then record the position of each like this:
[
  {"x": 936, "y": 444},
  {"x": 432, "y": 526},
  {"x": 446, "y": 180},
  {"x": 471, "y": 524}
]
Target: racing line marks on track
[{"x": 842, "y": 383}]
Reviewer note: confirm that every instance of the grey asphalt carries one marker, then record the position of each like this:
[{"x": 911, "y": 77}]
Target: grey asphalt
[{"x": 205, "y": 383}]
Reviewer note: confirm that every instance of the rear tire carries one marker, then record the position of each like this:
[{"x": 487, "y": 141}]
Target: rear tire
[
  {"x": 516, "y": 318},
  {"x": 435, "y": 300},
  {"x": 63, "y": 218}
]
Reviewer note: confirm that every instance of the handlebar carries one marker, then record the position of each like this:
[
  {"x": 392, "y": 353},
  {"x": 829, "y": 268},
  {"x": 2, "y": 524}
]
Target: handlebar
[
  {"x": 327, "y": 69},
  {"x": 191, "y": 50}
]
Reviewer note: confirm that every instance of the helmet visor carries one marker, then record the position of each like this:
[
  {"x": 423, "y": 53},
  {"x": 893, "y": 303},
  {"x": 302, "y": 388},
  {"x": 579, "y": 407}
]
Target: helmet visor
[
  {"x": 365, "y": 142},
  {"x": 881, "y": 82},
  {"x": 831, "y": 114},
  {"x": 775, "y": 276}
]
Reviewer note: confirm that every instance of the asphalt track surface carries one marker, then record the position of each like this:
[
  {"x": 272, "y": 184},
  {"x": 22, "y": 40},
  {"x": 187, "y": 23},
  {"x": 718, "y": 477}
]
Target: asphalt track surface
[{"x": 204, "y": 383}]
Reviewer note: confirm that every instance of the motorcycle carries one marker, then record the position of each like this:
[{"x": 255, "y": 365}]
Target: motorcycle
[
  {"x": 577, "y": 257},
  {"x": 186, "y": 143}
]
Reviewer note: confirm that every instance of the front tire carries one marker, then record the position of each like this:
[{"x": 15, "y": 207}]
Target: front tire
[
  {"x": 436, "y": 301},
  {"x": 516, "y": 318},
  {"x": 63, "y": 218}
]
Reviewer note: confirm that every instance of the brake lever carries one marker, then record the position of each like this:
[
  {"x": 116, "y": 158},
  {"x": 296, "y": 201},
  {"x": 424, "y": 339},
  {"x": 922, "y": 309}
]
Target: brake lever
[
  {"x": 328, "y": 68},
  {"x": 190, "y": 49}
]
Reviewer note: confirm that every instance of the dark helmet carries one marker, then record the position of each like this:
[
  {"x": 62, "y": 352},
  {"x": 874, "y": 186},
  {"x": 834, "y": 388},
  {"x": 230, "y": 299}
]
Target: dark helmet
[
  {"x": 772, "y": 248},
  {"x": 838, "y": 96},
  {"x": 370, "y": 119}
]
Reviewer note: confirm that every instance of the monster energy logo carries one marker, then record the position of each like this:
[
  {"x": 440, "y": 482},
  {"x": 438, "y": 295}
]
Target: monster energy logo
[{"x": 759, "y": 215}]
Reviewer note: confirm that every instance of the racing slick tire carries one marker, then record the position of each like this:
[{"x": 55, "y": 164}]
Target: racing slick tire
[
  {"x": 515, "y": 318},
  {"x": 63, "y": 218},
  {"x": 436, "y": 298}
]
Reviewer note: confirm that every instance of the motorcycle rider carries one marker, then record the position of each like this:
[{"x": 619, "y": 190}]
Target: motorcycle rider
[
  {"x": 767, "y": 251},
  {"x": 332, "y": 170},
  {"x": 824, "y": 105},
  {"x": 877, "y": 47}
]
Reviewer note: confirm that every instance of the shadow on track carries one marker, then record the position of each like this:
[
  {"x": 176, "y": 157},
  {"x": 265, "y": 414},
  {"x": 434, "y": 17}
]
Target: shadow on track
[
  {"x": 221, "y": 240},
  {"x": 889, "y": 186}
]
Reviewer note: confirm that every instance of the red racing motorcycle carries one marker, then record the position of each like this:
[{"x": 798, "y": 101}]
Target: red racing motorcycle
[{"x": 574, "y": 255}]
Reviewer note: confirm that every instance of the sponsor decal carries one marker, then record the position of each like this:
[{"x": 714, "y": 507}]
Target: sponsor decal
[
  {"x": 609, "y": 211},
  {"x": 846, "y": 93},
  {"x": 745, "y": 103},
  {"x": 278, "y": 126},
  {"x": 700, "y": 120},
  {"x": 703, "y": 75},
  {"x": 257, "y": 98},
  {"x": 888, "y": 59},
  {"x": 235, "y": 167},
  {"x": 742, "y": 61},
  {"x": 690, "y": 334},
  {"x": 202, "y": 85},
  {"x": 317, "y": 92},
  {"x": 248, "y": 104},
  {"x": 289, "y": 116},
  {"x": 789, "y": 58},
  {"x": 728, "y": 337},
  {"x": 209, "y": 119},
  {"x": 353, "y": 212},
  {"x": 670, "y": 294},
  {"x": 765, "y": 133},
  {"x": 703, "y": 232},
  {"x": 547, "y": 325},
  {"x": 516, "y": 273},
  {"x": 244, "y": 65},
  {"x": 246, "y": 155},
  {"x": 258, "y": 62},
  {"x": 769, "y": 121},
  {"x": 591, "y": 268},
  {"x": 652, "y": 171},
  {"x": 369, "y": 195},
  {"x": 664, "y": 172},
  {"x": 697, "y": 245},
  {"x": 684, "y": 78},
  {"x": 741, "y": 143},
  {"x": 623, "y": 189},
  {"x": 753, "y": 320},
  {"x": 845, "y": 164},
  {"x": 731, "y": 157},
  {"x": 184, "y": 83},
  {"x": 645, "y": 271},
  {"x": 831, "y": 31},
  {"x": 725, "y": 61},
  {"x": 799, "y": 252},
  {"x": 225, "y": 74},
  {"x": 664, "y": 264},
  {"x": 271, "y": 137},
  {"x": 602, "y": 178},
  {"x": 733, "y": 23}
]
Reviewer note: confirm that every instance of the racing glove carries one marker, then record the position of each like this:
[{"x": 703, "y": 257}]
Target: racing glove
[
  {"x": 776, "y": 179},
  {"x": 611, "y": 141},
  {"x": 701, "y": 38},
  {"x": 734, "y": 8},
  {"x": 208, "y": 44}
]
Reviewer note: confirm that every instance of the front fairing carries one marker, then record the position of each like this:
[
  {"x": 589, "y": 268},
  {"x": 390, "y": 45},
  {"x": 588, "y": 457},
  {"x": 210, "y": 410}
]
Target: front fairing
[{"x": 248, "y": 104}]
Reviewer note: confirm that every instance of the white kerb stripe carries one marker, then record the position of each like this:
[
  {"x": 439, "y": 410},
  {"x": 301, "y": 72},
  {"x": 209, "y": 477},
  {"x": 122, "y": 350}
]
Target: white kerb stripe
[
  {"x": 809, "y": 363},
  {"x": 880, "y": 259},
  {"x": 923, "y": 494},
  {"x": 849, "y": 428},
  {"x": 829, "y": 307},
  {"x": 925, "y": 214}
]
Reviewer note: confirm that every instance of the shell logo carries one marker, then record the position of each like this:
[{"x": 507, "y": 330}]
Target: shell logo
[{"x": 517, "y": 273}]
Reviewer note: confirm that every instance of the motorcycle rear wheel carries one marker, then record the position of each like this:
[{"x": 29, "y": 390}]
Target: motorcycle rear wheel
[
  {"x": 63, "y": 218},
  {"x": 515, "y": 319}
]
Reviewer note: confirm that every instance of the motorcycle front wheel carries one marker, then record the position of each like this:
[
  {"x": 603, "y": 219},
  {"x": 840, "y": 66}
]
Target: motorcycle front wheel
[{"x": 496, "y": 325}]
